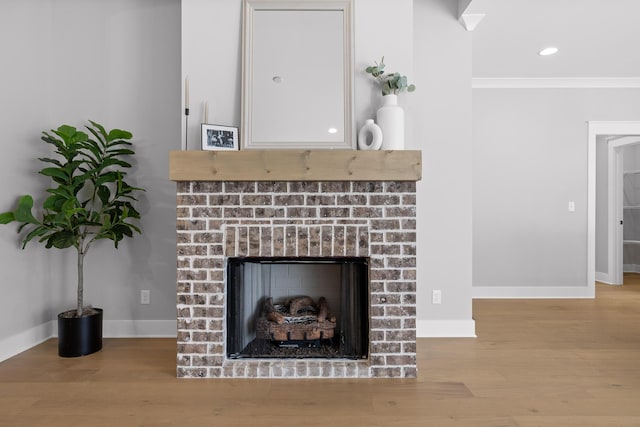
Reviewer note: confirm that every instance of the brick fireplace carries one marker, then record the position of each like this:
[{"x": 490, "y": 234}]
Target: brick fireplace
[{"x": 218, "y": 220}]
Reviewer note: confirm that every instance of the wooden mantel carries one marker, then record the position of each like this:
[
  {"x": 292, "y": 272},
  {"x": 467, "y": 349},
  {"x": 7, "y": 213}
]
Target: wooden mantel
[{"x": 295, "y": 165}]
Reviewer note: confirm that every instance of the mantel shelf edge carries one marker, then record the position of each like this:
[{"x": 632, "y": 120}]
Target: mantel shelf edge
[{"x": 295, "y": 165}]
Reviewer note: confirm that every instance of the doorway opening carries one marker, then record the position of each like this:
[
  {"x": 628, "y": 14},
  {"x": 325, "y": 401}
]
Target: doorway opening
[
  {"x": 606, "y": 212},
  {"x": 623, "y": 206}
]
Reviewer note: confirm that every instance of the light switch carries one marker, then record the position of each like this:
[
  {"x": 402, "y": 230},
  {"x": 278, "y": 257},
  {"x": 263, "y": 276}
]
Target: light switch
[
  {"x": 145, "y": 296},
  {"x": 436, "y": 296},
  {"x": 572, "y": 206}
]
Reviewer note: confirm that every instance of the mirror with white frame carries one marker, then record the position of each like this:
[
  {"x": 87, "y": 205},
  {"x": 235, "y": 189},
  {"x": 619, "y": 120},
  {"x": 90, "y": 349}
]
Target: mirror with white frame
[{"x": 297, "y": 87}]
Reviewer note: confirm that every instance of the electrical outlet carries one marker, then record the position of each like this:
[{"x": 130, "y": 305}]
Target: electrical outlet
[
  {"x": 145, "y": 296},
  {"x": 436, "y": 296}
]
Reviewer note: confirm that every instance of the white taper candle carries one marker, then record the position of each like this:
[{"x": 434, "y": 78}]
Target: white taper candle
[{"x": 186, "y": 92}]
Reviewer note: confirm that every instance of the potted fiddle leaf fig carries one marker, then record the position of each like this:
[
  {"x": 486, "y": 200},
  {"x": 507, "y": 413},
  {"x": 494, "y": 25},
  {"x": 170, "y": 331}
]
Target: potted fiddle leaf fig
[{"x": 88, "y": 200}]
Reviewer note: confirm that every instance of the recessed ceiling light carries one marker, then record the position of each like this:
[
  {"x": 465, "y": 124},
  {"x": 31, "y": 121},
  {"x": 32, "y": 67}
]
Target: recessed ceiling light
[
  {"x": 333, "y": 130},
  {"x": 548, "y": 51}
]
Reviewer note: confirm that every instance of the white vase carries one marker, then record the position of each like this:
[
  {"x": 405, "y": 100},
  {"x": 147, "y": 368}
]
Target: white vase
[
  {"x": 370, "y": 136},
  {"x": 391, "y": 121}
]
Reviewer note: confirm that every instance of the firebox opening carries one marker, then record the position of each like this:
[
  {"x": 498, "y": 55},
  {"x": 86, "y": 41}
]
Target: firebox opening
[{"x": 303, "y": 307}]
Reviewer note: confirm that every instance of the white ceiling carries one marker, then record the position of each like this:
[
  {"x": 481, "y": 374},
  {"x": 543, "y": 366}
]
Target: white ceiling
[{"x": 596, "y": 38}]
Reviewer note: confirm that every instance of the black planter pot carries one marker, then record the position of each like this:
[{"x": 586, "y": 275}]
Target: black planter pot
[{"x": 79, "y": 336}]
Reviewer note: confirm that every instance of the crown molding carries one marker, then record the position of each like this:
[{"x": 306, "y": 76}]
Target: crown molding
[
  {"x": 468, "y": 15},
  {"x": 471, "y": 20},
  {"x": 555, "y": 82}
]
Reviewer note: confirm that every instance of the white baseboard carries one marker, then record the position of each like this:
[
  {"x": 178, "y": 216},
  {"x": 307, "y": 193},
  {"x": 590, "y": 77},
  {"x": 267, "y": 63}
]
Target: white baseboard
[
  {"x": 23, "y": 341},
  {"x": 139, "y": 329},
  {"x": 543, "y": 292},
  {"x": 631, "y": 268},
  {"x": 446, "y": 328}
]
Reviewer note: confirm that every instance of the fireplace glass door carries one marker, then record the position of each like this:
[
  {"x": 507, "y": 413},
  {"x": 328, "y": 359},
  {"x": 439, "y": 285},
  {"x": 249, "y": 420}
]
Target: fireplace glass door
[{"x": 297, "y": 308}]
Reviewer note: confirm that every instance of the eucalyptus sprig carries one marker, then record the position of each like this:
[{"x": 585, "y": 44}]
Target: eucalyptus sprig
[{"x": 392, "y": 83}]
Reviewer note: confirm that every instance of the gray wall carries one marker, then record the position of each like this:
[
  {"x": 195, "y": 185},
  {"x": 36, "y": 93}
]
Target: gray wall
[
  {"x": 442, "y": 128},
  {"x": 67, "y": 61},
  {"x": 119, "y": 62},
  {"x": 530, "y": 159},
  {"x": 425, "y": 42}
]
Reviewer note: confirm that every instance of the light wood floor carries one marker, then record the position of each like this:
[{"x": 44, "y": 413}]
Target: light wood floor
[{"x": 557, "y": 363}]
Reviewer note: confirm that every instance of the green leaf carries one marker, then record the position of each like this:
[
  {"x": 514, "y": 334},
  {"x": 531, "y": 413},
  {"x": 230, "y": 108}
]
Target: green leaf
[
  {"x": 54, "y": 203},
  {"x": 23, "y": 211},
  {"x": 106, "y": 222},
  {"x": 94, "y": 148},
  {"x": 132, "y": 212},
  {"x": 99, "y": 141},
  {"x": 36, "y": 232},
  {"x": 104, "y": 194},
  {"x": 65, "y": 132},
  {"x": 120, "y": 152},
  {"x": 7, "y": 217},
  {"x": 55, "y": 173},
  {"x": 119, "y": 134},
  {"x": 134, "y": 228},
  {"x": 22, "y": 226},
  {"x": 53, "y": 161},
  {"x": 70, "y": 136},
  {"x": 79, "y": 137},
  {"x": 61, "y": 240},
  {"x": 49, "y": 139},
  {"x": 113, "y": 162},
  {"x": 122, "y": 229},
  {"x": 69, "y": 205},
  {"x": 99, "y": 128},
  {"x": 107, "y": 177},
  {"x": 63, "y": 191}
]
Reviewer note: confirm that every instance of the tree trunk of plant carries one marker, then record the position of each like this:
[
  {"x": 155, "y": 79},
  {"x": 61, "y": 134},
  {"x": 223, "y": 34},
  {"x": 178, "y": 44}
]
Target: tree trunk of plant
[{"x": 80, "y": 280}]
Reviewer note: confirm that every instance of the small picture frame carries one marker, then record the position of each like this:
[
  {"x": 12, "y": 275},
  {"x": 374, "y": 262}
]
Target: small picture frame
[{"x": 216, "y": 137}]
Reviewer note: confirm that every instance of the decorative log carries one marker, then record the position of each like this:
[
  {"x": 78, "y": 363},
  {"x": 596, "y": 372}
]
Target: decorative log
[
  {"x": 276, "y": 317},
  {"x": 265, "y": 329},
  {"x": 271, "y": 313},
  {"x": 278, "y": 325},
  {"x": 268, "y": 305},
  {"x": 323, "y": 310},
  {"x": 298, "y": 303},
  {"x": 288, "y": 332}
]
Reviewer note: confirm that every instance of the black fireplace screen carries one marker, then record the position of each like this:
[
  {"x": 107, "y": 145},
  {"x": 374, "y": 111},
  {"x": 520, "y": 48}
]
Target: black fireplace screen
[{"x": 298, "y": 307}]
